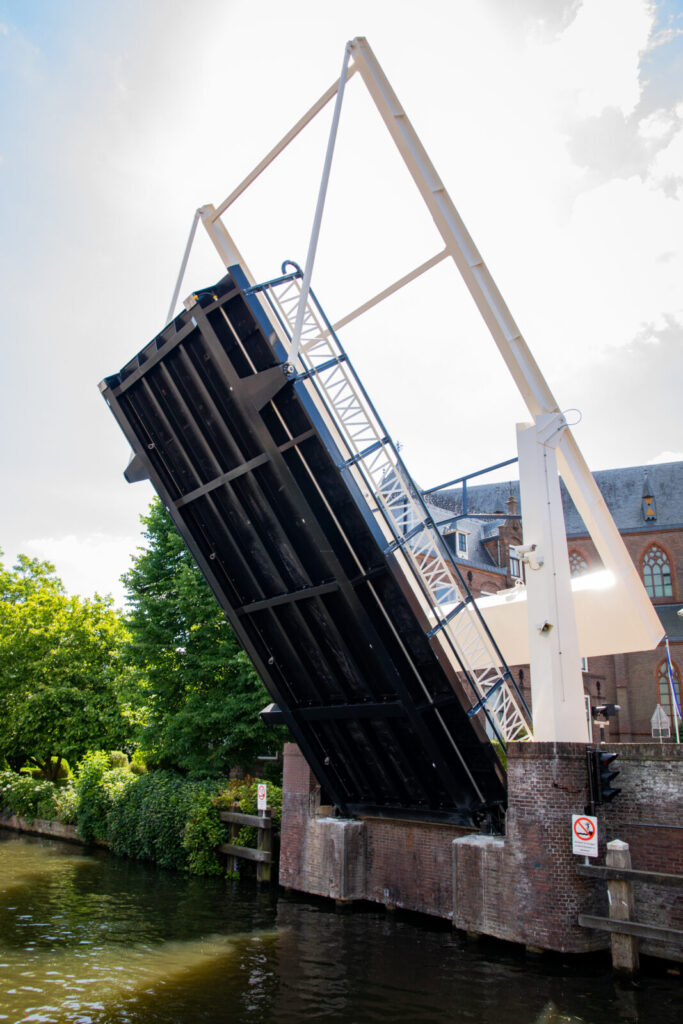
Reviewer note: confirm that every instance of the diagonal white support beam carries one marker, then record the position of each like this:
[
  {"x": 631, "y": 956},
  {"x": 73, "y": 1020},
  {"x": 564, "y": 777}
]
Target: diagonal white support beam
[
  {"x": 396, "y": 286},
  {"x": 320, "y": 206},
  {"x": 312, "y": 112},
  {"x": 525, "y": 371}
]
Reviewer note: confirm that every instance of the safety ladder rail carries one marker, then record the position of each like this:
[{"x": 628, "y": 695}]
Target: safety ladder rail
[{"x": 409, "y": 529}]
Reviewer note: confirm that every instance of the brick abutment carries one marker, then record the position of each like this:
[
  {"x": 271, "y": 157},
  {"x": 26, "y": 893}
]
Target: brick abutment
[{"x": 523, "y": 887}]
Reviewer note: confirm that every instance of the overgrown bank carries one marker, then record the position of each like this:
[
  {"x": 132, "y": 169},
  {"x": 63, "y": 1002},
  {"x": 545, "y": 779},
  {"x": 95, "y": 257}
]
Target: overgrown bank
[{"x": 160, "y": 816}]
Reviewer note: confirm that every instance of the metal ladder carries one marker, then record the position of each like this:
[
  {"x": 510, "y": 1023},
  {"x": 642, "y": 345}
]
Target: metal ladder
[{"x": 410, "y": 533}]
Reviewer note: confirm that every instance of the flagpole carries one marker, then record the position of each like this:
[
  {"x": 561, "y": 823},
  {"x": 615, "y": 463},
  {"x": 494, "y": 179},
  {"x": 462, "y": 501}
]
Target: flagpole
[{"x": 674, "y": 700}]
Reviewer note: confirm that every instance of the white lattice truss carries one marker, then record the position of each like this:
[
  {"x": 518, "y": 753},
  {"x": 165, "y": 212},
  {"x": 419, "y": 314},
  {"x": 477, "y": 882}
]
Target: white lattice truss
[{"x": 410, "y": 531}]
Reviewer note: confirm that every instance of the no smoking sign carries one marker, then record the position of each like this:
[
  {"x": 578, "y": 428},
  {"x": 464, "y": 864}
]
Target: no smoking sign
[{"x": 584, "y": 835}]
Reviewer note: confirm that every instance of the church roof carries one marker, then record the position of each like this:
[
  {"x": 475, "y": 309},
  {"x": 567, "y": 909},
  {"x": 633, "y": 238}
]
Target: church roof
[{"x": 621, "y": 488}]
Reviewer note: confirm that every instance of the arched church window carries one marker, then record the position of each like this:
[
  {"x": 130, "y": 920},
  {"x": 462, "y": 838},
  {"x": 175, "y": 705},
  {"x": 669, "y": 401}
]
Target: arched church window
[
  {"x": 577, "y": 563},
  {"x": 657, "y": 572}
]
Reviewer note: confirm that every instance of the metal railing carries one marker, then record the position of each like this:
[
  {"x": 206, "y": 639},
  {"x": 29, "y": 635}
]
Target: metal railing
[{"x": 410, "y": 533}]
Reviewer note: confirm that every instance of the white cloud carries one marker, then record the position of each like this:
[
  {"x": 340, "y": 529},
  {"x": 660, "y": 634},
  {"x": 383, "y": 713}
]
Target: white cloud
[
  {"x": 666, "y": 457},
  {"x": 87, "y": 563},
  {"x": 585, "y": 260},
  {"x": 595, "y": 60}
]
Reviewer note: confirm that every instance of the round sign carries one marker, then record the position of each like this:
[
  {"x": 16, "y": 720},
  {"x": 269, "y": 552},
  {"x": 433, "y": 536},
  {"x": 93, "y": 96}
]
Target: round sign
[{"x": 584, "y": 829}]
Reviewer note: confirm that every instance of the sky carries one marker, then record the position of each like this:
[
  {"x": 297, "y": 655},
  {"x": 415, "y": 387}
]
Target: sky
[{"x": 555, "y": 125}]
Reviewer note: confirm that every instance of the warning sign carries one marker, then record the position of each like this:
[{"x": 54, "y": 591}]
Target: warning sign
[
  {"x": 262, "y": 796},
  {"x": 584, "y": 835}
]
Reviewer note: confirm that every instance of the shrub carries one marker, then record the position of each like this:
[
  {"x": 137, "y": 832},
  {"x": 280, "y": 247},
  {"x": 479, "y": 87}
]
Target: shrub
[
  {"x": 59, "y": 770},
  {"x": 243, "y": 794},
  {"x": 203, "y": 832},
  {"x": 137, "y": 763},
  {"x": 66, "y": 801},
  {"x": 159, "y": 816},
  {"x": 169, "y": 819},
  {"x": 27, "y": 797},
  {"x": 98, "y": 785}
]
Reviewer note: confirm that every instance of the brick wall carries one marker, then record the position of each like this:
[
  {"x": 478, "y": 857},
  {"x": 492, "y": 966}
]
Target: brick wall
[
  {"x": 534, "y": 894},
  {"x": 523, "y": 887}
]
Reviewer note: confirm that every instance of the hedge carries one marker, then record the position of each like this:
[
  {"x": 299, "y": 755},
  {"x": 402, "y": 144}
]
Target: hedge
[{"x": 159, "y": 816}]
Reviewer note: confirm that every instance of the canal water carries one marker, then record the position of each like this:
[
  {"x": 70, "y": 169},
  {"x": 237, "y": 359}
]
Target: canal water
[{"x": 91, "y": 939}]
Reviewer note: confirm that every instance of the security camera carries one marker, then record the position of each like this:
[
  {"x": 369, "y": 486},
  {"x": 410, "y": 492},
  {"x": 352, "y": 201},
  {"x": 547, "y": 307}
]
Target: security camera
[{"x": 545, "y": 627}]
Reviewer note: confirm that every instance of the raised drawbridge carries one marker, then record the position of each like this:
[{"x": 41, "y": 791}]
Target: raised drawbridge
[
  {"x": 294, "y": 500},
  {"x": 248, "y": 418}
]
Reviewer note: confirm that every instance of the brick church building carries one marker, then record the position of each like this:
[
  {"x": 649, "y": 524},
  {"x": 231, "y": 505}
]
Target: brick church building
[{"x": 646, "y": 503}]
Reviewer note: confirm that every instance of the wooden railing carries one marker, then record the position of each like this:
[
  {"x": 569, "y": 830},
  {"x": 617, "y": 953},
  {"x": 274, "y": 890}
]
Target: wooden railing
[
  {"x": 624, "y": 932},
  {"x": 263, "y": 853}
]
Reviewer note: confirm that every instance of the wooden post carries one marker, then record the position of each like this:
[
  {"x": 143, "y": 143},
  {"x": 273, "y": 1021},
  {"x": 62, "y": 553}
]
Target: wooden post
[
  {"x": 234, "y": 830},
  {"x": 620, "y": 896},
  {"x": 264, "y": 842}
]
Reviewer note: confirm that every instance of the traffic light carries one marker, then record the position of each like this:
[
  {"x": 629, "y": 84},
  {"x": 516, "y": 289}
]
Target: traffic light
[{"x": 601, "y": 775}]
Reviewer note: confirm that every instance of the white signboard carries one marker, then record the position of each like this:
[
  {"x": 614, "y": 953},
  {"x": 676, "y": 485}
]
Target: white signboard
[
  {"x": 262, "y": 797},
  {"x": 584, "y": 835}
]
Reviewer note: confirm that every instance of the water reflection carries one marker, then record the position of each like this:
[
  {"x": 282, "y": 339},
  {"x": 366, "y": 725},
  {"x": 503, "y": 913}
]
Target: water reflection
[{"x": 91, "y": 939}]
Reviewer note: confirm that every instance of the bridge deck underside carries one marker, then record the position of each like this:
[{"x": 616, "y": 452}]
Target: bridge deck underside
[{"x": 242, "y": 459}]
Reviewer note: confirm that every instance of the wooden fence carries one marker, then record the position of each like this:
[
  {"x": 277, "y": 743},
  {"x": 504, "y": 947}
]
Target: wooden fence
[
  {"x": 263, "y": 854},
  {"x": 625, "y": 932}
]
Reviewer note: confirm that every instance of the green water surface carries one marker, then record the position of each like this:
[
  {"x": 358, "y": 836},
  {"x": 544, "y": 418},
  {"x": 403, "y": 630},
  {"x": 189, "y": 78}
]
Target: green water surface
[{"x": 85, "y": 937}]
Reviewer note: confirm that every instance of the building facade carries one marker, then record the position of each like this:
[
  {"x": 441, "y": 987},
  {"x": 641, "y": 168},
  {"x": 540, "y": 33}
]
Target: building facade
[{"x": 483, "y": 526}]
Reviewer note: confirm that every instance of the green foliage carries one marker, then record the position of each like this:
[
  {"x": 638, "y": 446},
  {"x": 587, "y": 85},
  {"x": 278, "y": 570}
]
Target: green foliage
[
  {"x": 202, "y": 697},
  {"x": 66, "y": 804},
  {"x": 502, "y": 756},
  {"x": 159, "y": 816},
  {"x": 98, "y": 786},
  {"x": 27, "y": 797},
  {"x": 243, "y": 794},
  {"x": 137, "y": 763},
  {"x": 61, "y": 671},
  {"x": 149, "y": 821},
  {"x": 203, "y": 832},
  {"x": 58, "y": 770}
]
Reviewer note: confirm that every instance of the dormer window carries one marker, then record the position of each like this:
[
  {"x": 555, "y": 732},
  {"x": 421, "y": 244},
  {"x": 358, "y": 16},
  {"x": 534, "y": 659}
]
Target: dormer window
[
  {"x": 461, "y": 544},
  {"x": 649, "y": 507}
]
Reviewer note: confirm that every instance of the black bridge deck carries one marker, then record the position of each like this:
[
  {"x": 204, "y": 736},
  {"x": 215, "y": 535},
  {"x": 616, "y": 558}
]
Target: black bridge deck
[{"x": 251, "y": 477}]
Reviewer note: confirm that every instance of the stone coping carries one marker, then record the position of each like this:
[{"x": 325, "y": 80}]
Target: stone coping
[
  {"x": 628, "y": 751},
  {"x": 41, "y": 827}
]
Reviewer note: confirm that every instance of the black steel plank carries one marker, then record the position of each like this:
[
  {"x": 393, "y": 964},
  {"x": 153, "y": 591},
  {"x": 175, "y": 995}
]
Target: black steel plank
[{"x": 297, "y": 562}]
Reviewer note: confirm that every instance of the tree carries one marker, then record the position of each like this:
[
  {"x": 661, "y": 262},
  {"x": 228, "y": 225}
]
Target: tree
[
  {"x": 61, "y": 670},
  {"x": 203, "y": 697}
]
